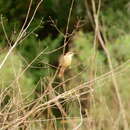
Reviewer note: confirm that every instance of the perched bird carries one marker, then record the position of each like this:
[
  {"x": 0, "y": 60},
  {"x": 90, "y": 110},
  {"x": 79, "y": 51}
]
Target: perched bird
[{"x": 64, "y": 62}]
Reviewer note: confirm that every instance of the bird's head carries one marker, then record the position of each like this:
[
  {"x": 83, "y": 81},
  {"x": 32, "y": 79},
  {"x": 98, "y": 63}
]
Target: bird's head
[{"x": 69, "y": 54}]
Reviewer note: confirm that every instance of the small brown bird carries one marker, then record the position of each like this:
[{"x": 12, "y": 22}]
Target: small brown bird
[{"x": 64, "y": 62}]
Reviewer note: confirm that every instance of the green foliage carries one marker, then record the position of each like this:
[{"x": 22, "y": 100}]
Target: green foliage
[
  {"x": 10, "y": 72},
  {"x": 31, "y": 48},
  {"x": 120, "y": 49},
  {"x": 83, "y": 45},
  {"x": 120, "y": 53},
  {"x": 116, "y": 21}
]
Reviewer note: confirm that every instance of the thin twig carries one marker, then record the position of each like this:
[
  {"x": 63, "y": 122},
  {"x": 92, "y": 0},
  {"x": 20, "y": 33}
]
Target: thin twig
[{"x": 81, "y": 117}]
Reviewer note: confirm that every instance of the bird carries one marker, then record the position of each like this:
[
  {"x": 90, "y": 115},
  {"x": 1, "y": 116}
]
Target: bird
[{"x": 64, "y": 62}]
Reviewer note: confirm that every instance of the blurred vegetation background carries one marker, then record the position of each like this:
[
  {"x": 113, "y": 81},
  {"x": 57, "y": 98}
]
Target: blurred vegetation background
[{"x": 100, "y": 109}]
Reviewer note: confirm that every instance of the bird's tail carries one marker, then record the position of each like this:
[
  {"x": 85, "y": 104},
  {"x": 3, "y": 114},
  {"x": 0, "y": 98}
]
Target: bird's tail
[{"x": 61, "y": 72}]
